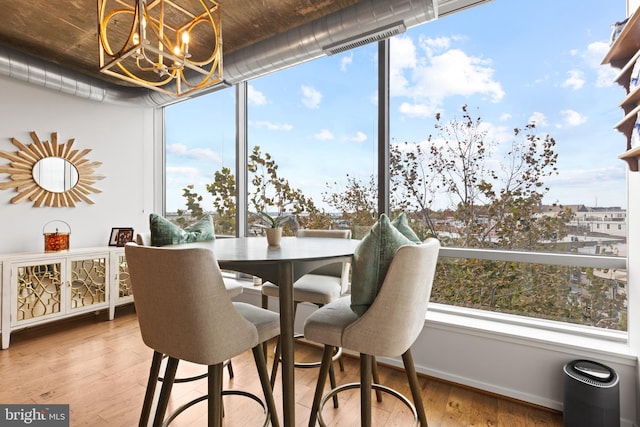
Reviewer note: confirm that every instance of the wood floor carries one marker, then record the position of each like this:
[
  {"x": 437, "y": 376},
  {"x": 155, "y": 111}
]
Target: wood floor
[{"x": 100, "y": 369}]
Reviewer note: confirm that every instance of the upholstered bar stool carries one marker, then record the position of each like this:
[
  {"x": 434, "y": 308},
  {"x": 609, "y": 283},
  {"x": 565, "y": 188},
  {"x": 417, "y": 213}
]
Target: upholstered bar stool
[
  {"x": 185, "y": 313},
  {"x": 387, "y": 329},
  {"x": 234, "y": 288},
  {"x": 320, "y": 287}
]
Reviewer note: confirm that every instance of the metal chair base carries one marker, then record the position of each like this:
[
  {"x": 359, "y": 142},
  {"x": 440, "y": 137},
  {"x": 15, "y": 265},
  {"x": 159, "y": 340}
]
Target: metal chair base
[
  {"x": 378, "y": 387},
  {"x": 189, "y": 404},
  {"x": 198, "y": 377}
]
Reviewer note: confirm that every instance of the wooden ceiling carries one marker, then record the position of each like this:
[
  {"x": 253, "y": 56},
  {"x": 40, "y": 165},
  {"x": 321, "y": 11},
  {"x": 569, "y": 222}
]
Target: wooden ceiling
[{"x": 65, "y": 32}]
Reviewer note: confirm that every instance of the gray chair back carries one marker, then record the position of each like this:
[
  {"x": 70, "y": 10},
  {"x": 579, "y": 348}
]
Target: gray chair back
[
  {"x": 338, "y": 269},
  {"x": 183, "y": 307},
  {"x": 395, "y": 319}
]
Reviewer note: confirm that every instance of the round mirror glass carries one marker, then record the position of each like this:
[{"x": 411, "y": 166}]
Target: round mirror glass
[{"x": 55, "y": 174}]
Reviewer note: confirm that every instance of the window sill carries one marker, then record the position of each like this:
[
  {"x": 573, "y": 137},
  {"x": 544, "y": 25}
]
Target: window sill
[{"x": 553, "y": 335}]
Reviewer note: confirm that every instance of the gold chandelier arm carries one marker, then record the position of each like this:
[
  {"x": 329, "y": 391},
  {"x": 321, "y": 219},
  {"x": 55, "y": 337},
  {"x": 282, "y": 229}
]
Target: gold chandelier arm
[{"x": 102, "y": 29}]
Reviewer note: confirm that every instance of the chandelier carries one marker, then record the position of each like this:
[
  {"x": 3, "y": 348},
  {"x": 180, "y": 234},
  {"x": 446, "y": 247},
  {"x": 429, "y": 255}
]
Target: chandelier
[{"x": 172, "y": 48}]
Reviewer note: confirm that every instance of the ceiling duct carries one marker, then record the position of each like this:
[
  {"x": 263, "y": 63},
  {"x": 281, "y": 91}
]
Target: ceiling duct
[
  {"x": 371, "y": 37},
  {"x": 363, "y": 22}
]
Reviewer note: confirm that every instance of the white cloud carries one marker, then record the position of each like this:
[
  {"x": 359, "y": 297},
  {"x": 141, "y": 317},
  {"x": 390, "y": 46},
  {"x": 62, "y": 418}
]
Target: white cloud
[
  {"x": 324, "y": 135},
  {"x": 572, "y": 118},
  {"x": 605, "y": 74},
  {"x": 456, "y": 73},
  {"x": 504, "y": 117},
  {"x": 594, "y": 54},
  {"x": 346, "y": 61},
  {"x": 437, "y": 72},
  {"x": 417, "y": 110},
  {"x": 575, "y": 80},
  {"x": 273, "y": 126},
  {"x": 539, "y": 119},
  {"x": 499, "y": 134},
  {"x": 568, "y": 187},
  {"x": 440, "y": 44},
  {"x": 359, "y": 137},
  {"x": 255, "y": 97},
  {"x": 181, "y": 171},
  {"x": 404, "y": 58},
  {"x": 181, "y": 150},
  {"x": 311, "y": 97},
  {"x": 404, "y": 53}
]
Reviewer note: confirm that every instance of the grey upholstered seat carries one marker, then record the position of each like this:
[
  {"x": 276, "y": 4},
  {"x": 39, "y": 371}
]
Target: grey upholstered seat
[
  {"x": 324, "y": 284},
  {"x": 388, "y": 328},
  {"x": 184, "y": 312},
  {"x": 320, "y": 287}
]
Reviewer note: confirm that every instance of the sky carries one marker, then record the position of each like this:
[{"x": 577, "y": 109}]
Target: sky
[{"x": 511, "y": 62}]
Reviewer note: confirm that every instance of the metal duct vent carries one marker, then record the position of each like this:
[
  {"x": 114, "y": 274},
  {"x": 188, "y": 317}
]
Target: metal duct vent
[{"x": 363, "y": 39}]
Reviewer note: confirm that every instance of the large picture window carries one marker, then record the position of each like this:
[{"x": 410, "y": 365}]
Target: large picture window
[{"x": 500, "y": 146}]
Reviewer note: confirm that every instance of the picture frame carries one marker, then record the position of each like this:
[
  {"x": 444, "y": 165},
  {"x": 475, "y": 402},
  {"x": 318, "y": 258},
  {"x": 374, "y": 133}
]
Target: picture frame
[{"x": 120, "y": 236}]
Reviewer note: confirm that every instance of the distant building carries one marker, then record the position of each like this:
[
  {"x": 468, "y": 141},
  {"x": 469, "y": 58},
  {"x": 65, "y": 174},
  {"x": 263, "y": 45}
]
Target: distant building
[{"x": 611, "y": 220}]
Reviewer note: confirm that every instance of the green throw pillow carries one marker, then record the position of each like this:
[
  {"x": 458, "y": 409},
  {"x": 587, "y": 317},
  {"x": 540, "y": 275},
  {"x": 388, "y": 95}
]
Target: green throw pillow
[
  {"x": 371, "y": 261},
  {"x": 164, "y": 232},
  {"x": 402, "y": 224}
]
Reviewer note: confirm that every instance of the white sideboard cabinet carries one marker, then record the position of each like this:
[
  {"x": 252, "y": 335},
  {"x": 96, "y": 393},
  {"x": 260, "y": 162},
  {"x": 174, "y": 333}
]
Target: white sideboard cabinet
[{"x": 48, "y": 286}]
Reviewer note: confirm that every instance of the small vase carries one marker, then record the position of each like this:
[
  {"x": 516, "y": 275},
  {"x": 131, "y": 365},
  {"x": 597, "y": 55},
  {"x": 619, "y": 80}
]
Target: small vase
[{"x": 273, "y": 236}]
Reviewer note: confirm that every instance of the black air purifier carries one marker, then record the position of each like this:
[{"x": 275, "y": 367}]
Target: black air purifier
[{"x": 591, "y": 395}]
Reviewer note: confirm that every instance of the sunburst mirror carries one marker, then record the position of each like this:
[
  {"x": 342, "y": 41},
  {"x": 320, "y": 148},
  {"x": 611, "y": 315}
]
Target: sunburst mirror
[{"x": 50, "y": 174}]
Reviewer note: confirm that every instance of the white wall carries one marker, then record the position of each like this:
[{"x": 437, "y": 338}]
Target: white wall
[{"x": 121, "y": 137}]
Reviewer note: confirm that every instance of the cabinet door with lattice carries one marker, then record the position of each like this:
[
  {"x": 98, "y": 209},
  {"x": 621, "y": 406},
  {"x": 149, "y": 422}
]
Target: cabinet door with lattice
[
  {"x": 37, "y": 290},
  {"x": 87, "y": 284},
  {"x": 121, "y": 278}
]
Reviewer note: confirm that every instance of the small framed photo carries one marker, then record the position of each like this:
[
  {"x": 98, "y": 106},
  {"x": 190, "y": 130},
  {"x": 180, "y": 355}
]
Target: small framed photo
[{"x": 121, "y": 236}]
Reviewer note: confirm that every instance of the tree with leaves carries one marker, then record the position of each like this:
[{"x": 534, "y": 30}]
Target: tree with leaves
[
  {"x": 269, "y": 193},
  {"x": 491, "y": 205}
]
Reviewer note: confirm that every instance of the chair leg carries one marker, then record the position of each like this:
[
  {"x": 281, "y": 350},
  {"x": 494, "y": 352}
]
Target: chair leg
[
  {"x": 214, "y": 384},
  {"x": 265, "y": 305},
  {"x": 154, "y": 373},
  {"x": 276, "y": 362},
  {"x": 332, "y": 382},
  {"x": 277, "y": 352},
  {"x": 267, "y": 389},
  {"x": 365, "y": 390},
  {"x": 165, "y": 392},
  {"x": 412, "y": 377},
  {"x": 327, "y": 355},
  {"x": 229, "y": 368},
  {"x": 376, "y": 377}
]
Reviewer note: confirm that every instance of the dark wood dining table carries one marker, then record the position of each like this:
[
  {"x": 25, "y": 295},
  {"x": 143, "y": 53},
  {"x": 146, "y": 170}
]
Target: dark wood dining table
[{"x": 281, "y": 265}]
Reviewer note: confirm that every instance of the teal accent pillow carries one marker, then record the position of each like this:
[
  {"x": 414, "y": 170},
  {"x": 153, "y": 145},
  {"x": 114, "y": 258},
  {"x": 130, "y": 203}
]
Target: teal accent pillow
[
  {"x": 371, "y": 261},
  {"x": 402, "y": 224},
  {"x": 164, "y": 232}
]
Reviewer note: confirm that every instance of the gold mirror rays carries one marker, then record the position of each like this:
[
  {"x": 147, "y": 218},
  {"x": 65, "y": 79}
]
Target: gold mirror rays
[{"x": 21, "y": 176}]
